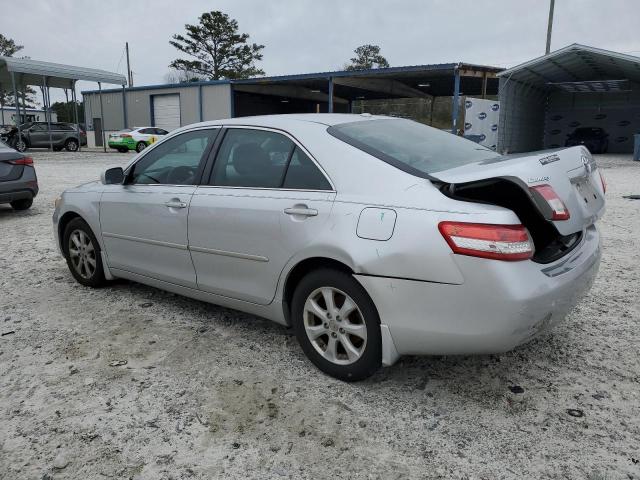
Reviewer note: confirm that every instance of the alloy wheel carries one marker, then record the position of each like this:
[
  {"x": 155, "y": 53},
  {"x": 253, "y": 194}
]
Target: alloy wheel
[
  {"x": 335, "y": 325},
  {"x": 82, "y": 254}
]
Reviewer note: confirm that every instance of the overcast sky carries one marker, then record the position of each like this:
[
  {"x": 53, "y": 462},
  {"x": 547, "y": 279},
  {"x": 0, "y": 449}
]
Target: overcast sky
[{"x": 318, "y": 35}]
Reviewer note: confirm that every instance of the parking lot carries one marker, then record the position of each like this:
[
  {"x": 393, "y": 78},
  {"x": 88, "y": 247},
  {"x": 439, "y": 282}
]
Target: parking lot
[{"x": 131, "y": 382}]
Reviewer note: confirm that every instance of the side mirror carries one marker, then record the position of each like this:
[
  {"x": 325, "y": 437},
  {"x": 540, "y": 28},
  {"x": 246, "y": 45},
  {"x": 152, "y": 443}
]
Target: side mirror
[{"x": 112, "y": 176}]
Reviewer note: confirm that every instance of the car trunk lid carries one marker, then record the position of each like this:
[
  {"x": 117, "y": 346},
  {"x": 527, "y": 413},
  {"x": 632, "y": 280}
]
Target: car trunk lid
[{"x": 571, "y": 173}]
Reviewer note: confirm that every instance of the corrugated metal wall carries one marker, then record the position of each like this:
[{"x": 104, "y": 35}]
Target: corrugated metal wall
[
  {"x": 216, "y": 103},
  {"x": 522, "y": 115},
  {"x": 617, "y": 113}
]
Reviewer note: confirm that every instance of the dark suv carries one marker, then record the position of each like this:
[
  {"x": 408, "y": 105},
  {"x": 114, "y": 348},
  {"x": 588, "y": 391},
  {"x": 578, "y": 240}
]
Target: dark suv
[
  {"x": 18, "y": 181},
  {"x": 594, "y": 138},
  {"x": 36, "y": 135}
]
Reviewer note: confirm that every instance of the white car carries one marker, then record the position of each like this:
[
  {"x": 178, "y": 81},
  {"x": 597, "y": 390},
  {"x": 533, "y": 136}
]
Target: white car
[
  {"x": 373, "y": 237},
  {"x": 136, "y": 139}
]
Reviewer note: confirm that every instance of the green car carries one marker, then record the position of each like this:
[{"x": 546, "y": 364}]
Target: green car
[{"x": 136, "y": 139}]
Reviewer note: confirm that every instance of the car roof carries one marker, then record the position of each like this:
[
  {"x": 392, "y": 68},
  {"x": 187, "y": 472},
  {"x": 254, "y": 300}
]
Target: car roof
[{"x": 290, "y": 120}]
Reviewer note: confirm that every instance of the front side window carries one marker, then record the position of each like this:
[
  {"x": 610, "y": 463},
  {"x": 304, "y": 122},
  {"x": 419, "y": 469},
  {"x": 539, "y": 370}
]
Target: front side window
[
  {"x": 263, "y": 159},
  {"x": 174, "y": 162},
  {"x": 411, "y": 146}
]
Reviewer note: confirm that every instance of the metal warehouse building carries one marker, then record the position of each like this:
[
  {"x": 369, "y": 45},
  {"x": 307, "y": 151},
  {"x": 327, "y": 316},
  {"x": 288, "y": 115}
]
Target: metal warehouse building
[
  {"x": 545, "y": 99},
  {"x": 175, "y": 105}
]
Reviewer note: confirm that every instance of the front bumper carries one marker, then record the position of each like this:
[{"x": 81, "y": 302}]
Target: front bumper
[{"x": 500, "y": 304}]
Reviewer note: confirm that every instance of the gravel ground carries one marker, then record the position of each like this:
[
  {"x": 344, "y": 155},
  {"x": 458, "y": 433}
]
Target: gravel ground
[{"x": 208, "y": 392}]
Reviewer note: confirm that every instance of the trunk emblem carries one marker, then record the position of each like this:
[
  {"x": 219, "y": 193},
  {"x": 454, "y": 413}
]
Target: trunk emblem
[{"x": 549, "y": 159}]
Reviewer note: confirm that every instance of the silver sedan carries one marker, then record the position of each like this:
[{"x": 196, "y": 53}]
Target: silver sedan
[{"x": 372, "y": 237}]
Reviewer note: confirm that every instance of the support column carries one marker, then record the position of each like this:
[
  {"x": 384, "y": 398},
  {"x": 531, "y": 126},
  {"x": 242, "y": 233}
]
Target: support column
[
  {"x": 1, "y": 106},
  {"x": 484, "y": 85},
  {"x": 330, "y": 103},
  {"x": 200, "y": 116},
  {"x": 124, "y": 107},
  {"x": 75, "y": 114},
  {"x": 456, "y": 101},
  {"x": 104, "y": 143},
  {"x": 47, "y": 110},
  {"x": 16, "y": 103}
]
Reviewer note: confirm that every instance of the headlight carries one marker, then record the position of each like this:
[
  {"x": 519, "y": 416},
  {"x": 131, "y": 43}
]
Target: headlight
[{"x": 57, "y": 202}]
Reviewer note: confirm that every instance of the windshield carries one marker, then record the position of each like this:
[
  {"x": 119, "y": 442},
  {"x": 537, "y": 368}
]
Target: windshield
[{"x": 411, "y": 146}]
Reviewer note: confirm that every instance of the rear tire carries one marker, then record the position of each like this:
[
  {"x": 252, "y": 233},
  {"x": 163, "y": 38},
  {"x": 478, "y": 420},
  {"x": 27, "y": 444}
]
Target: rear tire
[
  {"x": 123, "y": 150},
  {"x": 83, "y": 254},
  {"x": 71, "y": 145},
  {"x": 140, "y": 146},
  {"x": 23, "y": 204},
  {"x": 343, "y": 340}
]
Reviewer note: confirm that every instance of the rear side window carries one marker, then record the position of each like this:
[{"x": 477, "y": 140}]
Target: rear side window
[
  {"x": 303, "y": 174},
  {"x": 411, "y": 146}
]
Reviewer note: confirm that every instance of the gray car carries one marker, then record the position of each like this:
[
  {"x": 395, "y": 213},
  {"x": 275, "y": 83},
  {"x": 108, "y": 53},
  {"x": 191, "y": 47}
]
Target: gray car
[
  {"x": 36, "y": 135},
  {"x": 18, "y": 181},
  {"x": 372, "y": 237}
]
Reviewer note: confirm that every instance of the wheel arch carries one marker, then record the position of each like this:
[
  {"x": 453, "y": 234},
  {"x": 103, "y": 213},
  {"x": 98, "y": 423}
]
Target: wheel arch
[
  {"x": 62, "y": 225},
  {"x": 302, "y": 268}
]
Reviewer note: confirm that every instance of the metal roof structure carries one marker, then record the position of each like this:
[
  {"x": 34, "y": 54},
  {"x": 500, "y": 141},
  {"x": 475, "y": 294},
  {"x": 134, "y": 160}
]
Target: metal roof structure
[
  {"x": 578, "y": 64},
  {"x": 411, "y": 75},
  {"x": 32, "y": 72},
  {"x": 18, "y": 73}
]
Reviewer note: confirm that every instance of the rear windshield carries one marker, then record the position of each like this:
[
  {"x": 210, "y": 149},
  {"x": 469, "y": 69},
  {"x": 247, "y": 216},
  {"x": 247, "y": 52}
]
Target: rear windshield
[{"x": 411, "y": 146}]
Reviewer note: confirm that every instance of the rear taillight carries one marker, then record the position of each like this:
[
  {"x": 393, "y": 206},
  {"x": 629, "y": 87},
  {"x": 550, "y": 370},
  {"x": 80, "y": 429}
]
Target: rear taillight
[
  {"x": 498, "y": 242},
  {"x": 604, "y": 183},
  {"x": 559, "y": 210},
  {"x": 22, "y": 161}
]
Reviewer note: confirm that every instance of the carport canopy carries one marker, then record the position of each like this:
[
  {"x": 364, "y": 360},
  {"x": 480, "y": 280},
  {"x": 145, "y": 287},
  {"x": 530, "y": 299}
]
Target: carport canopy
[
  {"x": 576, "y": 64},
  {"x": 23, "y": 72},
  {"x": 575, "y": 69}
]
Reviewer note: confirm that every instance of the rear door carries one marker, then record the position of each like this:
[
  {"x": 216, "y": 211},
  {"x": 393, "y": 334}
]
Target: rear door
[
  {"x": 266, "y": 200},
  {"x": 144, "y": 221}
]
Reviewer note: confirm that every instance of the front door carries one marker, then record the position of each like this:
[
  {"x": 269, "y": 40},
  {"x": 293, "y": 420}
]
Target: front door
[
  {"x": 144, "y": 221},
  {"x": 266, "y": 199}
]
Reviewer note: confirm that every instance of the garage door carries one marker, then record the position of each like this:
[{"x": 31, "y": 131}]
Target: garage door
[{"x": 166, "y": 111}]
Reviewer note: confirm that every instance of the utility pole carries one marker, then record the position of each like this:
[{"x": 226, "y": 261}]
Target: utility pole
[
  {"x": 549, "y": 27},
  {"x": 129, "y": 74}
]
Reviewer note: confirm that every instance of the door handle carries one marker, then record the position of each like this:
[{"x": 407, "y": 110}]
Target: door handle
[
  {"x": 304, "y": 211},
  {"x": 175, "y": 204}
]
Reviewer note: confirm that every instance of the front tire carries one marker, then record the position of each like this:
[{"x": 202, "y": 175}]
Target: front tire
[
  {"x": 82, "y": 252},
  {"x": 140, "y": 146},
  {"x": 20, "y": 145},
  {"x": 23, "y": 204},
  {"x": 337, "y": 325}
]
